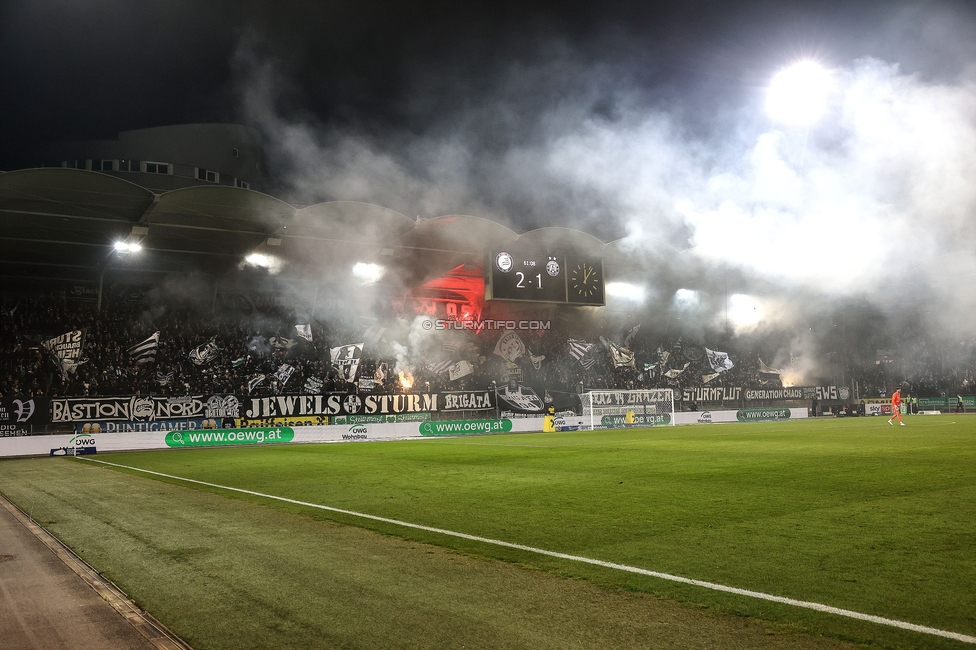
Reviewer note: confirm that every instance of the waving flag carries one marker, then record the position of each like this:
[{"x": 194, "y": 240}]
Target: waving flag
[
  {"x": 719, "y": 361},
  {"x": 578, "y": 350},
  {"x": 205, "y": 353},
  {"x": 145, "y": 352},
  {"x": 304, "y": 331}
]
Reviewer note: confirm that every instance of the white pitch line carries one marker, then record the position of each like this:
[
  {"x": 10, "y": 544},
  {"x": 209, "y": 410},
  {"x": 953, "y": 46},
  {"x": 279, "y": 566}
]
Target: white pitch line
[{"x": 965, "y": 638}]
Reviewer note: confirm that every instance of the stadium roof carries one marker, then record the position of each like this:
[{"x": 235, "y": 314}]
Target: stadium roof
[{"x": 63, "y": 224}]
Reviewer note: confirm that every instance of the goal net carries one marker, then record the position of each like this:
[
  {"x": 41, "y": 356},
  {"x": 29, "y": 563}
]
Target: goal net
[{"x": 605, "y": 409}]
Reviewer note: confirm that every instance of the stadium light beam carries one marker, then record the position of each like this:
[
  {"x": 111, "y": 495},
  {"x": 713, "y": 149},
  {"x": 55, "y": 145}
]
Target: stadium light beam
[
  {"x": 798, "y": 94},
  {"x": 627, "y": 291},
  {"x": 125, "y": 247},
  {"x": 368, "y": 273}
]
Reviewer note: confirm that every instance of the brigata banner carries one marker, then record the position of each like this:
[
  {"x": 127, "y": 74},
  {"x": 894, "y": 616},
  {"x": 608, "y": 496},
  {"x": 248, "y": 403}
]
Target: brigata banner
[
  {"x": 464, "y": 427},
  {"x": 468, "y": 400},
  {"x": 223, "y": 437},
  {"x": 141, "y": 408}
]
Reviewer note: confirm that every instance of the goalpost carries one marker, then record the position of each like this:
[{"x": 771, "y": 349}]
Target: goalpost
[{"x": 606, "y": 409}]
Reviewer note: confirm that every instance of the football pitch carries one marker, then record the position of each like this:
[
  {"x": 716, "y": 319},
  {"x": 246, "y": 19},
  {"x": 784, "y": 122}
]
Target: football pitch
[{"x": 541, "y": 540}]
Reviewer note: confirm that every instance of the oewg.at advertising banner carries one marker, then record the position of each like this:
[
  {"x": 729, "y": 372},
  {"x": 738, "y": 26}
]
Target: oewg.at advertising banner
[{"x": 144, "y": 440}]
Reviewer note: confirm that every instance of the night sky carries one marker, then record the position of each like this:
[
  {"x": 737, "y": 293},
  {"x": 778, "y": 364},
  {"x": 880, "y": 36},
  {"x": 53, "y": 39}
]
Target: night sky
[
  {"x": 642, "y": 122},
  {"x": 90, "y": 69}
]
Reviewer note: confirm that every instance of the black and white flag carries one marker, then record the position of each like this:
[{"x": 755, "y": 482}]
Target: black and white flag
[
  {"x": 622, "y": 357},
  {"x": 205, "y": 353},
  {"x": 165, "y": 378},
  {"x": 284, "y": 373},
  {"x": 345, "y": 359},
  {"x": 66, "y": 350},
  {"x": 440, "y": 366},
  {"x": 313, "y": 386},
  {"x": 145, "y": 352},
  {"x": 372, "y": 336},
  {"x": 763, "y": 368},
  {"x": 578, "y": 350},
  {"x": 304, "y": 331},
  {"x": 460, "y": 369},
  {"x": 674, "y": 373},
  {"x": 254, "y": 382},
  {"x": 719, "y": 361}
]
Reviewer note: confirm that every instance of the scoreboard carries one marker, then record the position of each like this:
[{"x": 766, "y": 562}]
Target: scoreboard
[{"x": 544, "y": 276}]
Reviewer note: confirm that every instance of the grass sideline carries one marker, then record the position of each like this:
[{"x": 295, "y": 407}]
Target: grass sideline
[{"x": 852, "y": 513}]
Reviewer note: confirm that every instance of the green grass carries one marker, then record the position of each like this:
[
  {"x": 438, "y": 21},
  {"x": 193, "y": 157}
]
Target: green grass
[{"x": 849, "y": 513}]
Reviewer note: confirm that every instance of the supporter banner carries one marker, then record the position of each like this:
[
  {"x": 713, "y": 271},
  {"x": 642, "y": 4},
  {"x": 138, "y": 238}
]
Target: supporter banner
[
  {"x": 341, "y": 404},
  {"x": 139, "y": 408},
  {"x": 833, "y": 393},
  {"x": 294, "y": 421},
  {"x": 521, "y": 400},
  {"x": 773, "y": 394},
  {"x": 467, "y": 401},
  {"x": 732, "y": 393},
  {"x": 19, "y": 416},
  {"x": 709, "y": 394},
  {"x": 109, "y": 426}
]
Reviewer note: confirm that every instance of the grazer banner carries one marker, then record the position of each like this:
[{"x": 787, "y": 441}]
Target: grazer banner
[
  {"x": 141, "y": 408},
  {"x": 19, "y": 415}
]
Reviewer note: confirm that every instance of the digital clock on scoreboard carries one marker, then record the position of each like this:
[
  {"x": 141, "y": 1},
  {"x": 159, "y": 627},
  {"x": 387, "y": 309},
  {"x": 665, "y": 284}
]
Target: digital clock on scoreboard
[{"x": 543, "y": 276}]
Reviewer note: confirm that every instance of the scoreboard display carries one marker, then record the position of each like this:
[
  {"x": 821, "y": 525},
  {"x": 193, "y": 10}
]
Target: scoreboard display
[{"x": 544, "y": 276}]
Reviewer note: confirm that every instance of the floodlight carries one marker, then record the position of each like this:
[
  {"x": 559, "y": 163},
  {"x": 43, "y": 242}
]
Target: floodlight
[
  {"x": 125, "y": 247},
  {"x": 258, "y": 259},
  {"x": 685, "y": 297},
  {"x": 368, "y": 273},
  {"x": 798, "y": 94},
  {"x": 627, "y": 291},
  {"x": 744, "y": 312}
]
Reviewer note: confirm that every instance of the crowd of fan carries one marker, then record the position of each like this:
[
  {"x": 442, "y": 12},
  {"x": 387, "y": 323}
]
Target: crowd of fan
[{"x": 258, "y": 344}]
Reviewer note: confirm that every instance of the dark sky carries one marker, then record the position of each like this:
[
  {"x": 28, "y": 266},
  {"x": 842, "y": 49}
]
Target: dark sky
[{"x": 90, "y": 69}]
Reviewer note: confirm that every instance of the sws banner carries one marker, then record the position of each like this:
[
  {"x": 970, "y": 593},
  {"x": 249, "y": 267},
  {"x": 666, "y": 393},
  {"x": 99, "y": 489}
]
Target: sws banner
[
  {"x": 139, "y": 408},
  {"x": 19, "y": 416}
]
